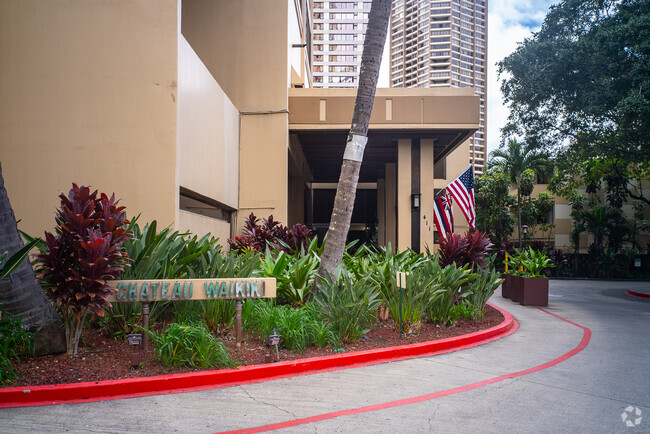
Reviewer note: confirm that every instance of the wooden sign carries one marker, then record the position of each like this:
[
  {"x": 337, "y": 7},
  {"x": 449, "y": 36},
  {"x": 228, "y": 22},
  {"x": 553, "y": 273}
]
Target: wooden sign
[{"x": 191, "y": 289}]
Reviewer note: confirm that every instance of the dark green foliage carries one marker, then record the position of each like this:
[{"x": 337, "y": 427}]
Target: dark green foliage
[
  {"x": 582, "y": 81},
  {"x": 449, "y": 288},
  {"x": 348, "y": 304},
  {"x": 294, "y": 272},
  {"x": 481, "y": 289},
  {"x": 298, "y": 327},
  {"x": 559, "y": 259},
  {"x": 493, "y": 202},
  {"x": 520, "y": 162},
  {"x": 10, "y": 263},
  {"x": 14, "y": 342},
  {"x": 190, "y": 345}
]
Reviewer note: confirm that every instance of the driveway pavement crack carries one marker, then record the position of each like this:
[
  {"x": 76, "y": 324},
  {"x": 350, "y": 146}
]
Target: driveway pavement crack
[{"x": 268, "y": 403}]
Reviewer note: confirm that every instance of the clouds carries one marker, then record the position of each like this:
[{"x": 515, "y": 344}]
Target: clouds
[{"x": 509, "y": 23}]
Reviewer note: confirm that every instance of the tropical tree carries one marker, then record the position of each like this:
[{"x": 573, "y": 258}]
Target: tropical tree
[
  {"x": 493, "y": 202},
  {"x": 514, "y": 160},
  {"x": 20, "y": 293},
  {"x": 339, "y": 227},
  {"x": 581, "y": 85}
]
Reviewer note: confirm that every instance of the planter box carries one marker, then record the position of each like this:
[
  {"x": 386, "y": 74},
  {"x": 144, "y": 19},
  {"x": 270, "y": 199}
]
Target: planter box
[
  {"x": 516, "y": 288},
  {"x": 534, "y": 291},
  {"x": 506, "y": 286}
]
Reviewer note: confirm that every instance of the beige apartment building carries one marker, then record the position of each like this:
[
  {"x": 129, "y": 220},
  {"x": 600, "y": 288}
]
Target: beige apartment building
[{"x": 198, "y": 112}]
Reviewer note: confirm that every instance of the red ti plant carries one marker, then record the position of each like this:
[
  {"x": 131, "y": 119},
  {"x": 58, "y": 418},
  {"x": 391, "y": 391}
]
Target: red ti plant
[
  {"x": 272, "y": 233},
  {"x": 470, "y": 248},
  {"x": 82, "y": 256}
]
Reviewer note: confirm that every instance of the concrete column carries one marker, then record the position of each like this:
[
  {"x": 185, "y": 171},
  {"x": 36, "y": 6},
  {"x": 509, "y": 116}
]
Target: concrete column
[
  {"x": 390, "y": 205},
  {"x": 403, "y": 194},
  {"x": 427, "y": 224}
]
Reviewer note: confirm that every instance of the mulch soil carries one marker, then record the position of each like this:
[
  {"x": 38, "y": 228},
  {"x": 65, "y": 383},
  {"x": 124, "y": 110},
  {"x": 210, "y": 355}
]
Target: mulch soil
[{"x": 101, "y": 357}]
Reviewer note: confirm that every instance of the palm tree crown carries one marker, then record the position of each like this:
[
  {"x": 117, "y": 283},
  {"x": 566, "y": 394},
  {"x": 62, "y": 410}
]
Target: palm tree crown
[{"x": 514, "y": 160}]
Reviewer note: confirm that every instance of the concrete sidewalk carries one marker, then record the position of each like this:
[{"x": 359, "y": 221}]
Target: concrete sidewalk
[{"x": 587, "y": 392}]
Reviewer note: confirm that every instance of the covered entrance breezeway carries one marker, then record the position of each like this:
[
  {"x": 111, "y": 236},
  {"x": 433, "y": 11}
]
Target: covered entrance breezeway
[{"x": 407, "y": 154}]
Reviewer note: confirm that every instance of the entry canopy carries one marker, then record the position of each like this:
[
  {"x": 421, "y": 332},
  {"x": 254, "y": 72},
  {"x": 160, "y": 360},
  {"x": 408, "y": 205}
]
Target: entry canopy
[{"x": 320, "y": 120}]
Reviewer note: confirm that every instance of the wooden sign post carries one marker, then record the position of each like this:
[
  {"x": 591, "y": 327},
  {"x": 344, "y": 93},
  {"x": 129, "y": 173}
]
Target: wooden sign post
[
  {"x": 401, "y": 284},
  {"x": 146, "y": 291}
]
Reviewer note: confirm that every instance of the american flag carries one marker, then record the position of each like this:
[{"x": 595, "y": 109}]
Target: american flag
[
  {"x": 462, "y": 189},
  {"x": 443, "y": 214}
]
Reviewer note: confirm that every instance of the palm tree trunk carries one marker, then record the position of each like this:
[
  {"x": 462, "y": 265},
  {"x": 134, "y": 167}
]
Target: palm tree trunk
[
  {"x": 373, "y": 48},
  {"x": 20, "y": 293}
]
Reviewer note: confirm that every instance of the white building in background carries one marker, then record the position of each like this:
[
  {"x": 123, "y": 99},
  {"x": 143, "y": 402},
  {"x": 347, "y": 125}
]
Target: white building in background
[{"x": 338, "y": 33}]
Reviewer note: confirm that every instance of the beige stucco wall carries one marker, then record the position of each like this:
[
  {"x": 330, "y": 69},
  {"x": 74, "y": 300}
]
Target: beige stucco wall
[
  {"x": 244, "y": 45},
  {"x": 201, "y": 225},
  {"x": 427, "y": 186},
  {"x": 88, "y": 95},
  {"x": 430, "y": 108},
  {"x": 208, "y": 132}
]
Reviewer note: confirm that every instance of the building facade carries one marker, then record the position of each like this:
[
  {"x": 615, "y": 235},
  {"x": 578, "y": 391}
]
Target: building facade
[
  {"x": 443, "y": 44},
  {"x": 197, "y": 113},
  {"x": 338, "y": 34}
]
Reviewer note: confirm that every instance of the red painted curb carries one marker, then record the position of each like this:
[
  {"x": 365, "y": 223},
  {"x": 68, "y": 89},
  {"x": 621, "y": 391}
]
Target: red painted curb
[
  {"x": 637, "y": 294},
  {"x": 173, "y": 383}
]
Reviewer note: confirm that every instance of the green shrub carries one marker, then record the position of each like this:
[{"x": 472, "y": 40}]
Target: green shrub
[
  {"x": 463, "y": 310},
  {"x": 535, "y": 262},
  {"x": 481, "y": 289},
  {"x": 14, "y": 342},
  {"x": 446, "y": 290},
  {"x": 190, "y": 345},
  {"x": 383, "y": 266},
  {"x": 294, "y": 272},
  {"x": 298, "y": 327},
  {"x": 348, "y": 304}
]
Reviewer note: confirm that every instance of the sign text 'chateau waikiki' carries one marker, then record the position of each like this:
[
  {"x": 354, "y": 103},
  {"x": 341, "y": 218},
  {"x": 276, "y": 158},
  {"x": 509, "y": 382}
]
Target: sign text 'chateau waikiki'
[{"x": 191, "y": 289}]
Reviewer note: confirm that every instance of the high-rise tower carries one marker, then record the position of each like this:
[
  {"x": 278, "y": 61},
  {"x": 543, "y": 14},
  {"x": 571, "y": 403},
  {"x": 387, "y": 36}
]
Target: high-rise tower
[
  {"x": 442, "y": 43},
  {"x": 339, "y": 29}
]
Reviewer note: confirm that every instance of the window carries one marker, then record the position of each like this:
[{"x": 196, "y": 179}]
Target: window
[
  {"x": 343, "y": 58},
  {"x": 347, "y": 79},
  {"x": 343, "y": 68},
  {"x": 341, "y": 16},
  {"x": 343, "y": 26}
]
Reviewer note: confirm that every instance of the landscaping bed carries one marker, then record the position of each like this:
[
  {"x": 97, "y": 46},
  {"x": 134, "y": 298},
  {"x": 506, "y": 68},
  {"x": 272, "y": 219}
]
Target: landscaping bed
[{"x": 101, "y": 357}]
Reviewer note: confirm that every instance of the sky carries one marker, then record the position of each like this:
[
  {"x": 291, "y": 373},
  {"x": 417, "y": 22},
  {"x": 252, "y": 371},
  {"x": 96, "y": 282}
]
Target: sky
[{"x": 509, "y": 22}]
